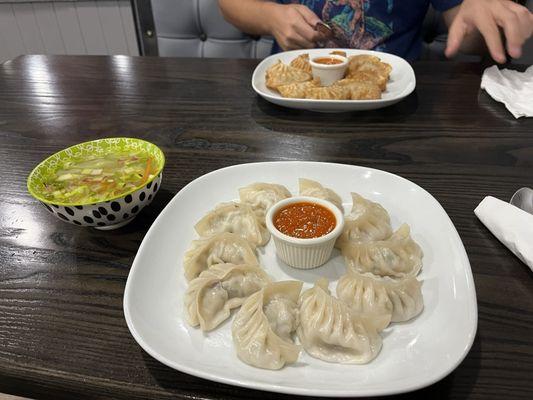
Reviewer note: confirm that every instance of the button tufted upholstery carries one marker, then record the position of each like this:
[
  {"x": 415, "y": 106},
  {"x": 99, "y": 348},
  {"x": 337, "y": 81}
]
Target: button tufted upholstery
[{"x": 196, "y": 28}]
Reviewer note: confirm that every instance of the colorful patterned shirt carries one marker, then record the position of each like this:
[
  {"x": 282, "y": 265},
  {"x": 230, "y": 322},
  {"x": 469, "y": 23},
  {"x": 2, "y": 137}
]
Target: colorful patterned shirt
[{"x": 392, "y": 26}]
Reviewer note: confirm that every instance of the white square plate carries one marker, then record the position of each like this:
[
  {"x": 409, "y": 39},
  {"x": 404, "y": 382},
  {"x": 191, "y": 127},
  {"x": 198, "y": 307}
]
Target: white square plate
[
  {"x": 414, "y": 354},
  {"x": 402, "y": 82}
]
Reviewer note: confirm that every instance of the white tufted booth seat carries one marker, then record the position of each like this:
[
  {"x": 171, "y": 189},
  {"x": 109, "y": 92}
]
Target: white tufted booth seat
[{"x": 196, "y": 28}]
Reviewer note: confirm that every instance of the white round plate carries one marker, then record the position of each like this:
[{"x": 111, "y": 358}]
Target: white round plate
[
  {"x": 402, "y": 82},
  {"x": 414, "y": 354}
]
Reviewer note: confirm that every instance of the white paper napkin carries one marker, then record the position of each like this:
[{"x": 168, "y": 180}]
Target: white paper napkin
[
  {"x": 511, "y": 225},
  {"x": 512, "y": 88}
]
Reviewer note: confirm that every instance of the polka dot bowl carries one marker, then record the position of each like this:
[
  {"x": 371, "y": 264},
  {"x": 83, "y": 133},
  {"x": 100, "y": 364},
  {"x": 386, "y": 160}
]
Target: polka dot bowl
[{"x": 109, "y": 214}]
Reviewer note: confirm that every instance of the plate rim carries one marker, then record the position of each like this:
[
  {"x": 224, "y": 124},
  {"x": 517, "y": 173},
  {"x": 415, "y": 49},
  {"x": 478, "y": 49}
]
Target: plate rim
[
  {"x": 303, "y": 391},
  {"x": 313, "y": 102}
]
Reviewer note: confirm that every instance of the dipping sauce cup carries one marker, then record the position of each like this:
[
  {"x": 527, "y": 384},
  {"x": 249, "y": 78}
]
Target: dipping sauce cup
[
  {"x": 328, "y": 68},
  {"x": 299, "y": 252}
]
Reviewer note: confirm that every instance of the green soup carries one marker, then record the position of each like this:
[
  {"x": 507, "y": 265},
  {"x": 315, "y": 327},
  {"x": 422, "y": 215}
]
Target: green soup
[{"x": 92, "y": 179}]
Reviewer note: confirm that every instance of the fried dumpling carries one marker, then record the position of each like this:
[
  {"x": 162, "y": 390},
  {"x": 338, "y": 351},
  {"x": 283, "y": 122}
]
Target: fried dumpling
[
  {"x": 296, "y": 90},
  {"x": 236, "y": 218},
  {"x": 302, "y": 62},
  {"x": 333, "y": 92},
  {"x": 264, "y": 326},
  {"x": 338, "y": 53},
  {"x": 361, "y": 90},
  {"x": 282, "y": 74},
  {"x": 399, "y": 299},
  {"x": 261, "y": 196},
  {"x": 210, "y": 297},
  {"x": 220, "y": 248},
  {"x": 398, "y": 256},
  {"x": 312, "y": 188},
  {"x": 368, "y": 221},
  {"x": 368, "y": 68},
  {"x": 331, "y": 331}
]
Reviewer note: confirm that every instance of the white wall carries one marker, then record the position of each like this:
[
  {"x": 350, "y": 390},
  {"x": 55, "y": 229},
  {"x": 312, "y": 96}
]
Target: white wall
[{"x": 67, "y": 27}]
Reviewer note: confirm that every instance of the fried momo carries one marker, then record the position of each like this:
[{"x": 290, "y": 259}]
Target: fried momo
[{"x": 281, "y": 74}]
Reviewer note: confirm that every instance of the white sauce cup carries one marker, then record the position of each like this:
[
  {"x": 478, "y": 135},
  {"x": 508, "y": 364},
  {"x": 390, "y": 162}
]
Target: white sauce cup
[
  {"x": 328, "y": 74},
  {"x": 304, "y": 253}
]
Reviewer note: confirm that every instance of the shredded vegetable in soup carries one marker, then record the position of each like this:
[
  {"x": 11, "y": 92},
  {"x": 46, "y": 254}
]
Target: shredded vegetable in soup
[{"x": 99, "y": 178}]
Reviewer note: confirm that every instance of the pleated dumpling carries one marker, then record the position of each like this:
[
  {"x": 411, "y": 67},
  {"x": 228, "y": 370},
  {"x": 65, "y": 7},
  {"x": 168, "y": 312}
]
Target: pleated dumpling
[
  {"x": 211, "y": 296},
  {"x": 398, "y": 256},
  {"x": 261, "y": 196},
  {"x": 367, "y": 67},
  {"x": 302, "y": 62},
  {"x": 264, "y": 326},
  {"x": 361, "y": 89},
  {"x": 282, "y": 74},
  {"x": 333, "y": 92},
  {"x": 296, "y": 90},
  {"x": 312, "y": 188},
  {"x": 368, "y": 221},
  {"x": 220, "y": 248},
  {"x": 236, "y": 218},
  {"x": 370, "y": 294},
  {"x": 331, "y": 331}
]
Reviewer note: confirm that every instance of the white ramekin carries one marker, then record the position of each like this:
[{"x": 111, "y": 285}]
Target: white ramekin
[
  {"x": 328, "y": 74},
  {"x": 304, "y": 253}
]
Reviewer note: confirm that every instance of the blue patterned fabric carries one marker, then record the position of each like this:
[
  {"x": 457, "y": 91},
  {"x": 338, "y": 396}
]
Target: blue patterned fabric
[{"x": 392, "y": 26}]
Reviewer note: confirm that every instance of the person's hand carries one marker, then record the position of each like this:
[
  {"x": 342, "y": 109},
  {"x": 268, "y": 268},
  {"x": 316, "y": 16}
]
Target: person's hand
[
  {"x": 488, "y": 16},
  {"x": 293, "y": 26}
]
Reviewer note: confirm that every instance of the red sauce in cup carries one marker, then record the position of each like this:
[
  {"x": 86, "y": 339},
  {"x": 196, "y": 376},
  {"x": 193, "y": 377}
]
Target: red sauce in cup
[
  {"x": 304, "y": 220},
  {"x": 327, "y": 60}
]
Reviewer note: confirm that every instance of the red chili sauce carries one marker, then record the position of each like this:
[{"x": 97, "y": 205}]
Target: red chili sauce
[
  {"x": 304, "y": 220},
  {"x": 327, "y": 60}
]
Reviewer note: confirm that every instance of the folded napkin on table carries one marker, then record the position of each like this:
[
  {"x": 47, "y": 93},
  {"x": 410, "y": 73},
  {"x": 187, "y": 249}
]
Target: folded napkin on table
[
  {"x": 512, "y": 88},
  {"x": 511, "y": 225}
]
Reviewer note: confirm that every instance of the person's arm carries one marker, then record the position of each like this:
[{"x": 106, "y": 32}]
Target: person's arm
[
  {"x": 292, "y": 25},
  {"x": 475, "y": 21}
]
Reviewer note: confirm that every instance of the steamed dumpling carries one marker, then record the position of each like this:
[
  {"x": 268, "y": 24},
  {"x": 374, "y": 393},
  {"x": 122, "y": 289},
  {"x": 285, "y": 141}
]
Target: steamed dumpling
[
  {"x": 296, "y": 90},
  {"x": 368, "y": 294},
  {"x": 333, "y": 92},
  {"x": 261, "y": 196},
  {"x": 361, "y": 89},
  {"x": 302, "y": 62},
  {"x": 263, "y": 328},
  {"x": 282, "y": 74},
  {"x": 211, "y": 296},
  {"x": 312, "y": 188},
  {"x": 218, "y": 249},
  {"x": 331, "y": 331},
  {"x": 236, "y": 218},
  {"x": 368, "y": 221},
  {"x": 398, "y": 256}
]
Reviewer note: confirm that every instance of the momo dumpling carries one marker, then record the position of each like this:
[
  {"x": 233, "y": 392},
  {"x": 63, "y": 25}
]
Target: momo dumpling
[
  {"x": 366, "y": 67},
  {"x": 261, "y": 196},
  {"x": 331, "y": 331},
  {"x": 368, "y": 294},
  {"x": 312, "y": 188},
  {"x": 361, "y": 90},
  {"x": 302, "y": 62},
  {"x": 236, "y": 218},
  {"x": 218, "y": 249},
  {"x": 211, "y": 296},
  {"x": 264, "y": 326},
  {"x": 368, "y": 221},
  {"x": 366, "y": 298},
  {"x": 332, "y": 92},
  {"x": 282, "y": 74},
  {"x": 296, "y": 90},
  {"x": 397, "y": 256}
]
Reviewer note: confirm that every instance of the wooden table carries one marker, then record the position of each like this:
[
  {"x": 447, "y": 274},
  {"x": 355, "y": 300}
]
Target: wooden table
[{"x": 62, "y": 329}]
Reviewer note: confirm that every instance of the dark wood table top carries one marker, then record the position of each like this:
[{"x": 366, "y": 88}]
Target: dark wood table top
[{"x": 62, "y": 328}]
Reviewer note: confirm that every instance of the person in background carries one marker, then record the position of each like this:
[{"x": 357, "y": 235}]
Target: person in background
[{"x": 392, "y": 26}]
